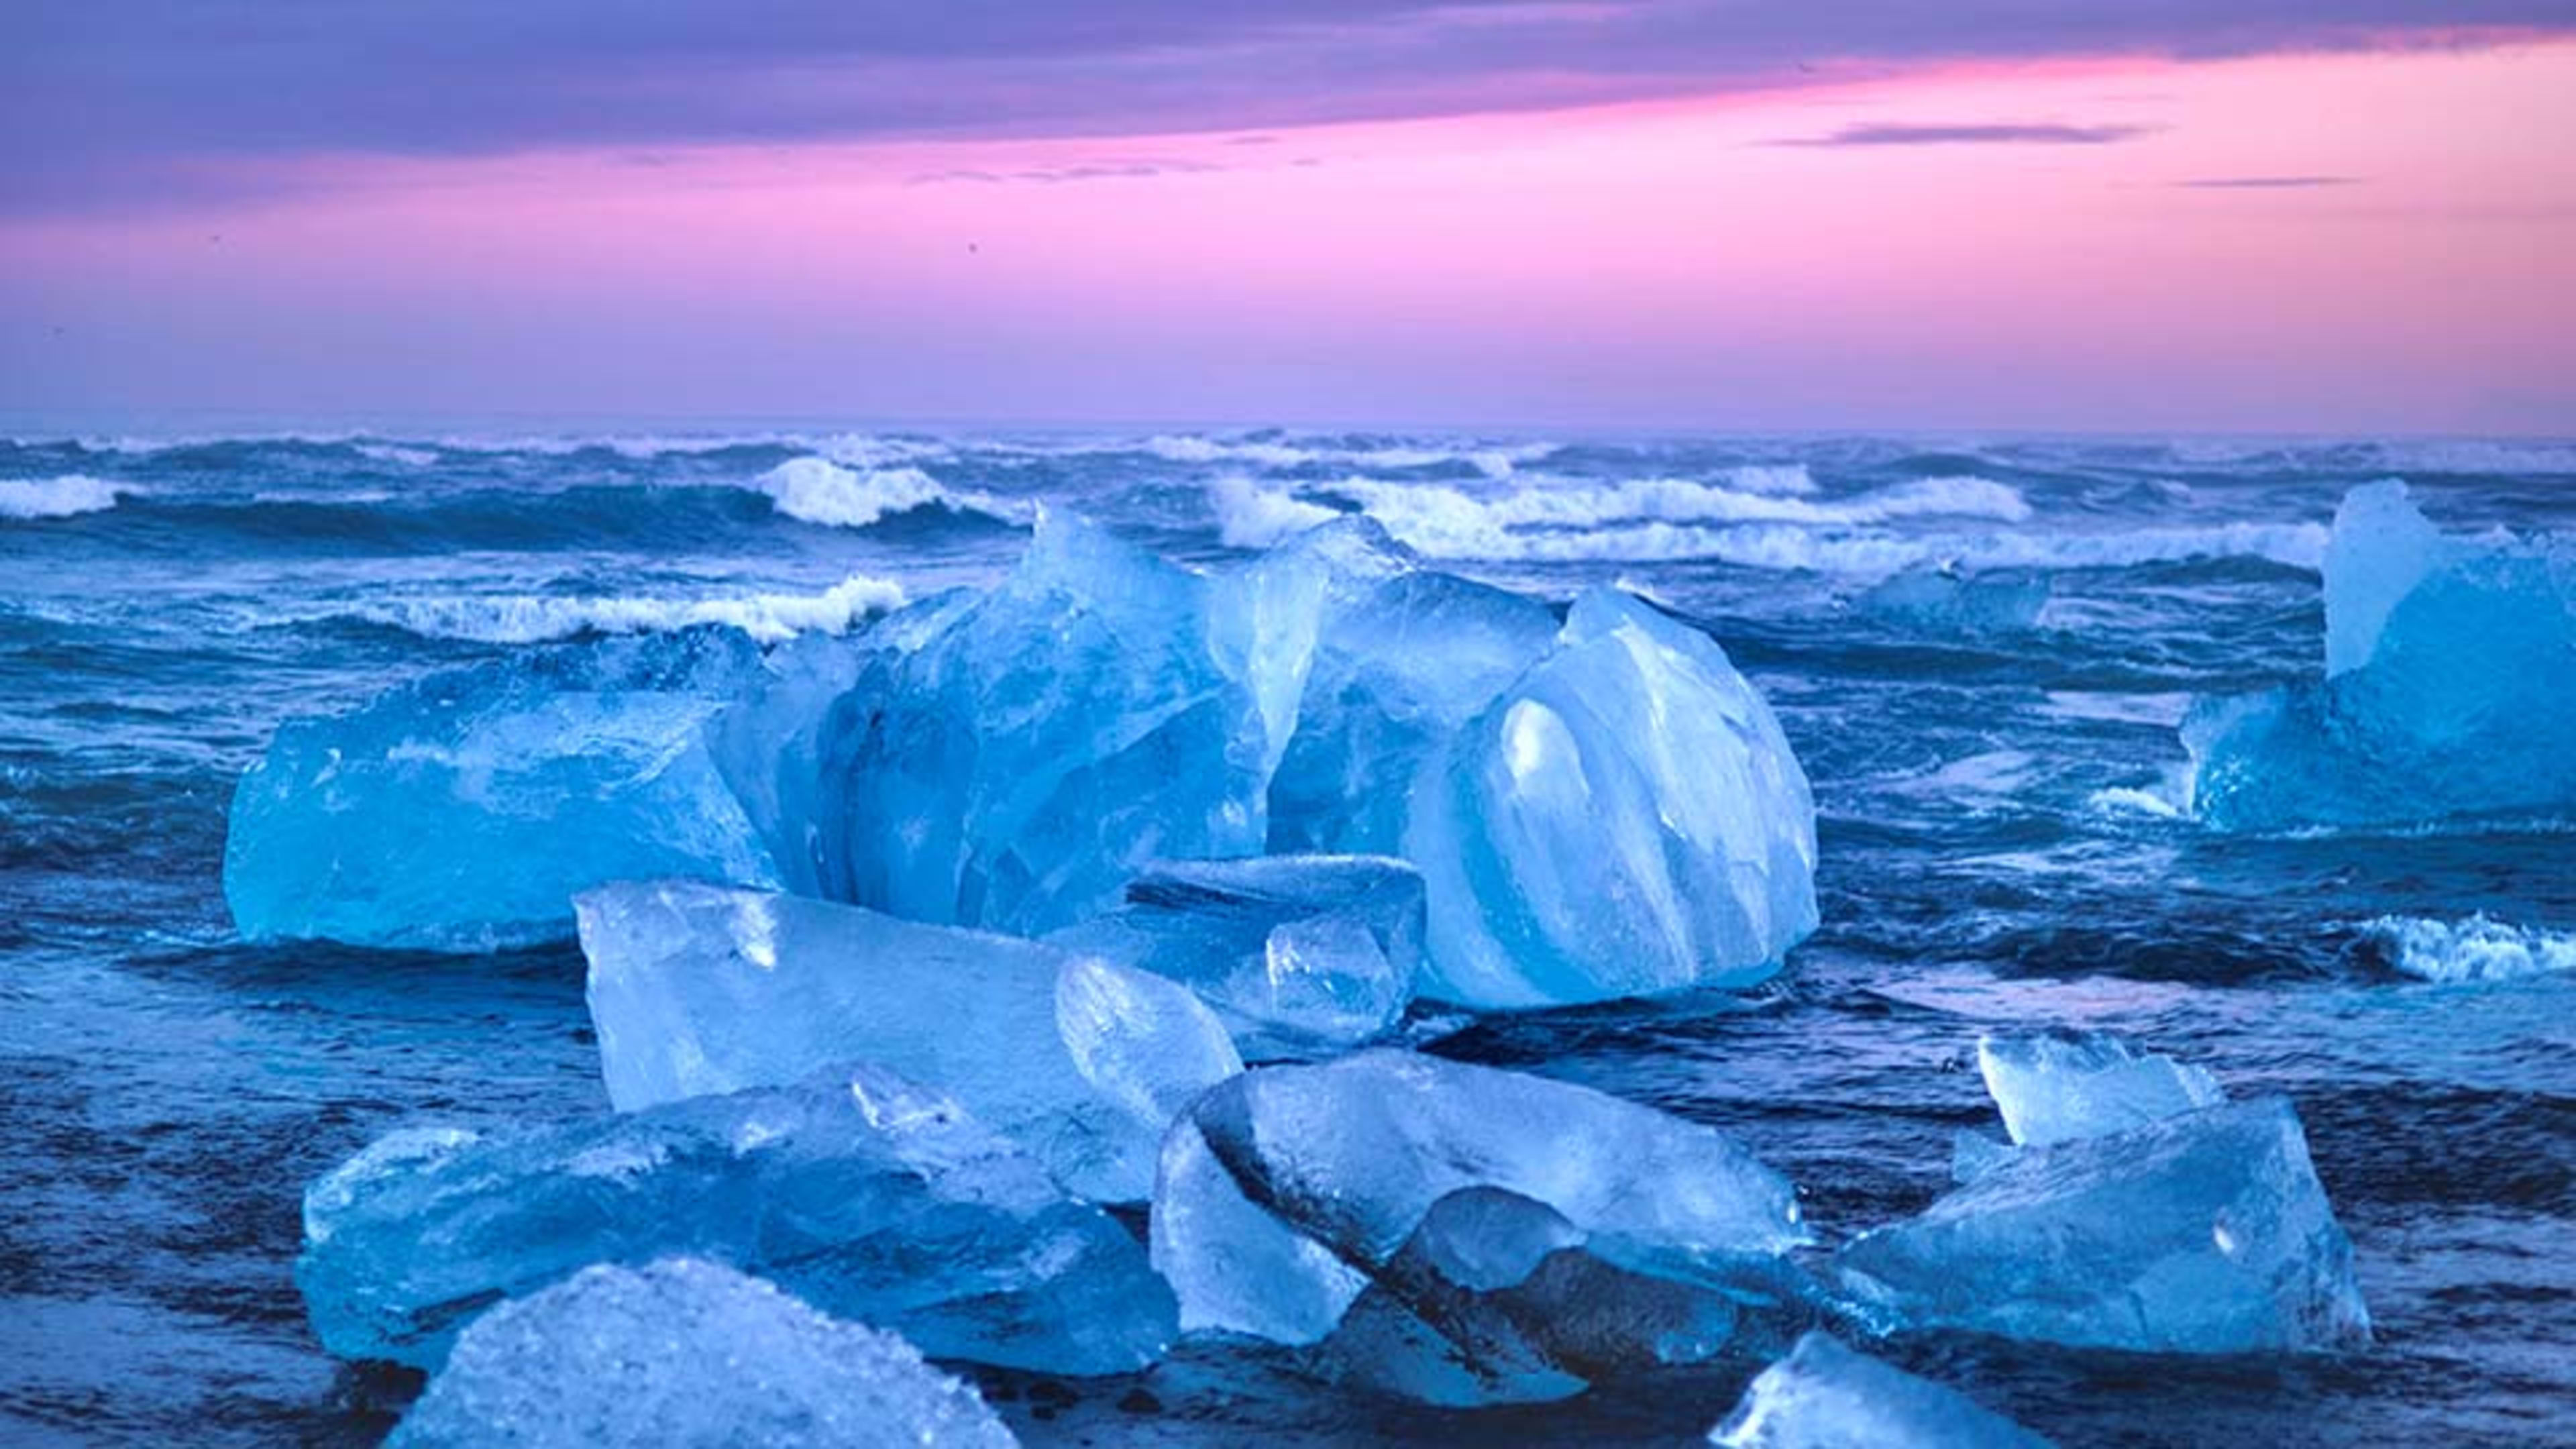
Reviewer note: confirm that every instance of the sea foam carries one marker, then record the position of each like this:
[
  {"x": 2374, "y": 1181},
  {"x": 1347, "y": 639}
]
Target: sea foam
[
  {"x": 1251, "y": 516},
  {"x": 62, "y": 497},
  {"x": 530, "y": 618},
  {"x": 2476, "y": 949}
]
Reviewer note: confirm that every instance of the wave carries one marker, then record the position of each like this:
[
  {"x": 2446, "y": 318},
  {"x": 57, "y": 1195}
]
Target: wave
[
  {"x": 1790, "y": 548},
  {"x": 533, "y": 618},
  {"x": 1443, "y": 520},
  {"x": 1494, "y": 460},
  {"x": 1251, "y": 516},
  {"x": 2475, "y": 949},
  {"x": 817, "y": 490},
  {"x": 63, "y": 497}
]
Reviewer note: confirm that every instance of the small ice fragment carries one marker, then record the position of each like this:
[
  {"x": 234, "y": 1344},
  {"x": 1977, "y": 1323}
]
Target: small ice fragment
[
  {"x": 1942, "y": 601},
  {"x": 1825, "y": 1396},
  {"x": 690, "y": 1354},
  {"x": 2051, "y": 1088}
]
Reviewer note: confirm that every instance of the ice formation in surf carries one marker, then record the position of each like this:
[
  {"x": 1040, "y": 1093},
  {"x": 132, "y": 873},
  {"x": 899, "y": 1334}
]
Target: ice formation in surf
[
  {"x": 2449, "y": 661},
  {"x": 690, "y": 1354},
  {"x": 1826, "y": 1396}
]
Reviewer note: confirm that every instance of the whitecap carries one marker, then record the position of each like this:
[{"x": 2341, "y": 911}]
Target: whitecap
[
  {"x": 2476, "y": 949},
  {"x": 817, "y": 490},
  {"x": 63, "y": 497},
  {"x": 1251, "y": 516},
  {"x": 532, "y": 618}
]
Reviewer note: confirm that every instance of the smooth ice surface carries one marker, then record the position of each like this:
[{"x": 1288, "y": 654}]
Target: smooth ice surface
[
  {"x": 868, "y": 1197},
  {"x": 2201, "y": 1233},
  {"x": 1825, "y": 1396},
  {"x": 697, "y": 989},
  {"x": 1022, "y": 751},
  {"x": 2054, "y": 1088},
  {"x": 463, "y": 812},
  {"x": 1943, "y": 601},
  {"x": 690, "y": 1354},
  {"x": 1626, "y": 819},
  {"x": 2450, "y": 663},
  {"x": 1285, "y": 1189},
  {"x": 2475, "y": 949},
  {"x": 1299, "y": 955},
  {"x": 1498, "y": 1298}
]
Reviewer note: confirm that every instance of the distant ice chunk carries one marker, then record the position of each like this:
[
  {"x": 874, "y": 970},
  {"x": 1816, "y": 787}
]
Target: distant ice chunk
[
  {"x": 1627, "y": 818},
  {"x": 1300, "y": 955},
  {"x": 1287, "y": 1191},
  {"x": 693, "y": 1355},
  {"x": 463, "y": 812},
  {"x": 1825, "y": 1396},
  {"x": 2054, "y": 1088},
  {"x": 2475, "y": 949},
  {"x": 700, "y": 989},
  {"x": 2450, "y": 661},
  {"x": 2206, "y": 1232},
  {"x": 866, "y": 1196},
  {"x": 1945, "y": 601},
  {"x": 1029, "y": 747}
]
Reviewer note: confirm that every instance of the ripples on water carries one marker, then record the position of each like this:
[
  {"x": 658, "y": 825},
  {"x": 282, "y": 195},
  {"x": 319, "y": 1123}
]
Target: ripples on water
[{"x": 1999, "y": 819}]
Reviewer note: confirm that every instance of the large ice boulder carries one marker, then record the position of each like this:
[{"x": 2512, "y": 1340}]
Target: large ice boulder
[
  {"x": 1017, "y": 754},
  {"x": 2449, "y": 664},
  {"x": 1300, "y": 955},
  {"x": 699, "y": 989},
  {"x": 2204, "y": 1232},
  {"x": 861, "y": 1193},
  {"x": 693, "y": 1355},
  {"x": 1625, "y": 819},
  {"x": 1825, "y": 1396},
  {"x": 463, "y": 811},
  {"x": 1289, "y": 1192}
]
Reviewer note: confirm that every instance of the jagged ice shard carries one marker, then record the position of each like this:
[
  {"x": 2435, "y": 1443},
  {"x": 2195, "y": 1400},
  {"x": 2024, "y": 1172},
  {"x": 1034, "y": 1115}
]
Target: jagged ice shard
[
  {"x": 693, "y": 1355},
  {"x": 2449, "y": 664},
  {"x": 2054, "y": 1088},
  {"x": 863, "y": 1194},
  {"x": 462, "y": 812},
  {"x": 1287, "y": 1192},
  {"x": 698, "y": 989},
  {"x": 1625, "y": 819},
  {"x": 1300, "y": 956},
  {"x": 1826, "y": 1396},
  {"x": 2205, "y": 1232},
  {"x": 1018, "y": 754}
]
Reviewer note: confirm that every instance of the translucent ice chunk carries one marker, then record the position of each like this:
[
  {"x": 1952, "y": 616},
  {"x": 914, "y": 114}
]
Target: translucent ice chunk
[
  {"x": 464, "y": 811},
  {"x": 1032, "y": 746},
  {"x": 1284, "y": 1190},
  {"x": 2053, "y": 1088},
  {"x": 2200, "y": 1233},
  {"x": 697, "y": 989},
  {"x": 1626, "y": 819},
  {"x": 1268, "y": 618},
  {"x": 866, "y": 1196},
  {"x": 1942, "y": 601},
  {"x": 689, "y": 1354},
  {"x": 2451, "y": 660},
  {"x": 1825, "y": 1396},
  {"x": 1299, "y": 955}
]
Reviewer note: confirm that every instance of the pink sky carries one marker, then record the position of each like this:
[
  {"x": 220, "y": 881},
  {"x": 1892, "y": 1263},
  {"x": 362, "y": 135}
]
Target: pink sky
[{"x": 1659, "y": 264}]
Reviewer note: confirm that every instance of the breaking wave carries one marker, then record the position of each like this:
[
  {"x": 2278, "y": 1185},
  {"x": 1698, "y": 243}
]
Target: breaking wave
[
  {"x": 817, "y": 490},
  {"x": 64, "y": 497},
  {"x": 1251, "y": 516},
  {"x": 2475, "y": 949},
  {"x": 1494, "y": 461},
  {"x": 533, "y": 618}
]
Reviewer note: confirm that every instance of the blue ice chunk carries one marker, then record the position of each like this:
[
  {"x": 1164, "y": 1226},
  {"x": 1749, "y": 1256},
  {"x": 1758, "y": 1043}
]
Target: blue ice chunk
[
  {"x": 1498, "y": 1298},
  {"x": 2449, "y": 664},
  {"x": 462, "y": 812},
  {"x": 1825, "y": 1396},
  {"x": 693, "y": 1355},
  {"x": 863, "y": 1194},
  {"x": 2053, "y": 1088},
  {"x": 1286, "y": 1191},
  {"x": 1946, "y": 602},
  {"x": 2206, "y": 1232},
  {"x": 1268, "y": 618},
  {"x": 1032, "y": 746},
  {"x": 1627, "y": 818},
  {"x": 1299, "y": 955},
  {"x": 698, "y": 989}
]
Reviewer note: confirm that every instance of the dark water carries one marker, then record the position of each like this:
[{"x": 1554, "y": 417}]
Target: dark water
[{"x": 2000, "y": 838}]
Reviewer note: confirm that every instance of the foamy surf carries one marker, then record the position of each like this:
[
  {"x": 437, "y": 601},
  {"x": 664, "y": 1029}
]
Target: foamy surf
[
  {"x": 2476, "y": 949},
  {"x": 817, "y": 490},
  {"x": 64, "y": 497},
  {"x": 535, "y": 618}
]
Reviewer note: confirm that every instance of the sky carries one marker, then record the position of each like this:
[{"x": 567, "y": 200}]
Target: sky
[{"x": 2278, "y": 216}]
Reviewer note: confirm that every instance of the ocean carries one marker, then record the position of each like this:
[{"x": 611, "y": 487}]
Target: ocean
[{"x": 2004, "y": 821}]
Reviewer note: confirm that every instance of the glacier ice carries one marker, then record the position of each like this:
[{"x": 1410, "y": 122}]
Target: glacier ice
[
  {"x": 1826, "y": 1396},
  {"x": 690, "y": 1354},
  {"x": 867, "y": 1196},
  {"x": 1017, "y": 754},
  {"x": 1299, "y": 955},
  {"x": 2053, "y": 1088},
  {"x": 2205, "y": 1232},
  {"x": 1945, "y": 601},
  {"x": 2449, "y": 661},
  {"x": 1498, "y": 1298},
  {"x": 700, "y": 989},
  {"x": 1625, "y": 819},
  {"x": 463, "y": 811},
  {"x": 1286, "y": 1191}
]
